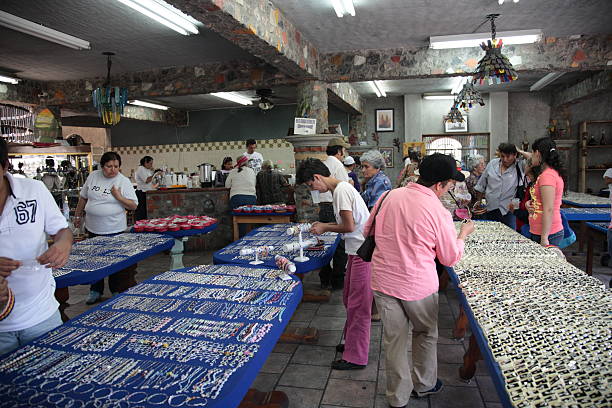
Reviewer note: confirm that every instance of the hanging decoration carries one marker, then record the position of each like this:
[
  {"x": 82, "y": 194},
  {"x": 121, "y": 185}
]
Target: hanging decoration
[
  {"x": 455, "y": 115},
  {"x": 494, "y": 67},
  {"x": 469, "y": 96},
  {"x": 109, "y": 100}
]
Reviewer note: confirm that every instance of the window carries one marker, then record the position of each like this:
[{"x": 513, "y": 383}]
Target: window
[{"x": 458, "y": 146}]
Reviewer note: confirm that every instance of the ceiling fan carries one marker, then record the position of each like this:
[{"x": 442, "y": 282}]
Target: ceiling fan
[{"x": 264, "y": 98}]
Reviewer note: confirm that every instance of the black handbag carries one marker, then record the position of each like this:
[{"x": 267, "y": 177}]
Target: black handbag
[
  {"x": 520, "y": 185},
  {"x": 366, "y": 249}
]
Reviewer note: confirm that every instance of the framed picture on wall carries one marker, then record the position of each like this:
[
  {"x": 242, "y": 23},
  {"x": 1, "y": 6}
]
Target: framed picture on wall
[
  {"x": 450, "y": 127},
  {"x": 387, "y": 153},
  {"x": 418, "y": 147},
  {"x": 385, "y": 120}
]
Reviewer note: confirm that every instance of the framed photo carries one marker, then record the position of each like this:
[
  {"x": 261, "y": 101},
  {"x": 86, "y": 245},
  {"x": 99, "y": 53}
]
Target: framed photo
[
  {"x": 385, "y": 120},
  {"x": 387, "y": 153},
  {"x": 413, "y": 146},
  {"x": 450, "y": 127}
]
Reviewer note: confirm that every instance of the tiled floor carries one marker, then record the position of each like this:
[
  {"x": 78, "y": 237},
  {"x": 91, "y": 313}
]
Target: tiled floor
[{"x": 303, "y": 371}]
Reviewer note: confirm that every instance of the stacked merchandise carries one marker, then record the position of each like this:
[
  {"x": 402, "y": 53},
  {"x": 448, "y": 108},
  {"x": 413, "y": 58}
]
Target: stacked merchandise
[{"x": 174, "y": 223}]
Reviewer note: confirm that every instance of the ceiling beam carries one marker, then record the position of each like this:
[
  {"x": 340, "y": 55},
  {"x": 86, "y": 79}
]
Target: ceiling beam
[
  {"x": 592, "y": 86},
  {"x": 174, "y": 81},
  {"x": 260, "y": 29},
  {"x": 552, "y": 54},
  {"x": 345, "y": 97}
]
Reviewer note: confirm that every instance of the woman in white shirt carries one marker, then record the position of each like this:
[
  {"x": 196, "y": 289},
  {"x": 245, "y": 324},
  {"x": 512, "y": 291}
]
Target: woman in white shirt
[
  {"x": 241, "y": 182},
  {"x": 105, "y": 197},
  {"x": 144, "y": 182}
]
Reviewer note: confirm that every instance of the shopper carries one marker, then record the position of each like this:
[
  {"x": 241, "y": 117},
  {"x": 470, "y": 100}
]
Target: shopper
[
  {"x": 349, "y": 165},
  {"x": 412, "y": 228},
  {"x": 608, "y": 180},
  {"x": 241, "y": 182},
  {"x": 226, "y": 166},
  {"x": 476, "y": 166},
  {"x": 350, "y": 215},
  {"x": 105, "y": 197},
  {"x": 372, "y": 165},
  {"x": 255, "y": 159},
  {"x": 27, "y": 214},
  {"x": 144, "y": 182},
  {"x": 544, "y": 207},
  {"x": 499, "y": 184},
  {"x": 269, "y": 185},
  {"x": 411, "y": 164},
  {"x": 333, "y": 277}
]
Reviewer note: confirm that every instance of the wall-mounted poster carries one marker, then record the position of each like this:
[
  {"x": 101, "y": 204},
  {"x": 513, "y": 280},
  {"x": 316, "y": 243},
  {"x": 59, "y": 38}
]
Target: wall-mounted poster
[
  {"x": 387, "y": 153},
  {"x": 418, "y": 147},
  {"x": 385, "y": 120},
  {"x": 456, "y": 126}
]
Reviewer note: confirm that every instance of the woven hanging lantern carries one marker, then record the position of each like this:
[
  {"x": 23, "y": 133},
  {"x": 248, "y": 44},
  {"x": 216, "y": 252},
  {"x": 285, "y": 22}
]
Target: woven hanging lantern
[
  {"x": 109, "y": 100},
  {"x": 469, "y": 96},
  {"x": 454, "y": 115},
  {"x": 494, "y": 67}
]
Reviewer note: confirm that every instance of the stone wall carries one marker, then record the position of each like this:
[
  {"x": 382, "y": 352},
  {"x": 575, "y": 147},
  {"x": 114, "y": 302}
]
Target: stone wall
[{"x": 528, "y": 116}]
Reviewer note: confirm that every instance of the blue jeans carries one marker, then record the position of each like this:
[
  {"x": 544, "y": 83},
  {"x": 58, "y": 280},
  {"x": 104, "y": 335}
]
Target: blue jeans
[
  {"x": 12, "y": 340},
  {"x": 509, "y": 219},
  {"x": 553, "y": 239},
  {"x": 242, "y": 199}
]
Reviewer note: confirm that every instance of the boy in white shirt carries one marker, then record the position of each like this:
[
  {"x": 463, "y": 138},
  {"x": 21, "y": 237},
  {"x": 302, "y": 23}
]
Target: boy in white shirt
[
  {"x": 27, "y": 213},
  {"x": 255, "y": 158},
  {"x": 351, "y": 215}
]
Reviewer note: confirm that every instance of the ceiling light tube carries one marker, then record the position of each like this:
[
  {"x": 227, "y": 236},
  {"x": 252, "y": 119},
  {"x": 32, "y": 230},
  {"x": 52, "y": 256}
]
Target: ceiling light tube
[
  {"x": 375, "y": 89},
  {"x": 545, "y": 81},
  {"x": 9, "y": 80},
  {"x": 338, "y": 7},
  {"x": 148, "y": 104},
  {"x": 40, "y": 31},
  {"x": 233, "y": 97},
  {"x": 349, "y": 8},
  {"x": 474, "y": 40},
  {"x": 150, "y": 9},
  {"x": 438, "y": 97},
  {"x": 380, "y": 88},
  {"x": 165, "y": 10}
]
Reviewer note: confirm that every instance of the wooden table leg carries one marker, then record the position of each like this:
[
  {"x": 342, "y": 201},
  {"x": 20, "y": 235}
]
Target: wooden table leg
[
  {"x": 589, "y": 255},
  {"x": 236, "y": 232},
  {"x": 461, "y": 324},
  {"x": 467, "y": 371},
  {"x": 62, "y": 295},
  {"x": 583, "y": 234}
]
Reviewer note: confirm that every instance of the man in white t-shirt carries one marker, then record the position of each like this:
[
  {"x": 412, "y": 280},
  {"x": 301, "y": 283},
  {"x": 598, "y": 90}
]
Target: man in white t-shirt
[
  {"x": 27, "y": 213},
  {"x": 255, "y": 158},
  {"x": 351, "y": 214},
  {"x": 336, "y": 150},
  {"x": 608, "y": 180}
]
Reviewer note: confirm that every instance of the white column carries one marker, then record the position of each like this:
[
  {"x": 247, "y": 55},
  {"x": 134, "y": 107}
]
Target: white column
[
  {"x": 413, "y": 119},
  {"x": 498, "y": 120}
]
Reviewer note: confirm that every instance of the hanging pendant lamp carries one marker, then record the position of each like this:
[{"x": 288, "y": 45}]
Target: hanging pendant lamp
[
  {"x": 469, "y": 96},
  {"x": 494, "y": 67},
  {"x": 109, "y": 100},
  {"x": 455, "y": 115}
]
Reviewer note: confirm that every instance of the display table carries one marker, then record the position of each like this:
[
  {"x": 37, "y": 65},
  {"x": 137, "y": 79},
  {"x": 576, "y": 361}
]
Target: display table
[
  {"x": 541, "y": 325},
  {"x": 258, "y": 218},
  {"x": 583, "y": 200},
  {"x": 96, "y": 258},
  {"x": 275, "y": 235},
  {"x": 195, "y": 337},
  {"x": 586, "y": 214},
  {"x": 595, "y": 229}
]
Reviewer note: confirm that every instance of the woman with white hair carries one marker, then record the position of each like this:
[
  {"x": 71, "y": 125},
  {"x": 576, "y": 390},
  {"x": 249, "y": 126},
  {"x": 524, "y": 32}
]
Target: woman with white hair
[
  {"x": 372, "y": 164},
  {"x": 475, "y": 165}
]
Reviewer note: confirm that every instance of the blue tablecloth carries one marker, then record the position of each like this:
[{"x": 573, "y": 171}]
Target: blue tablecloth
[
  {"x": 262, "y": 213},
  {"x": 599, "y": 226},
  {"x": 586, "y": 214},
  {"x": 96, "y": 258},
  {"x": 483, "y": 344},
  {"x": 146, "y": 347},
  {"x": 584, "y": 205},
  {"x": 275, "y": 235}
]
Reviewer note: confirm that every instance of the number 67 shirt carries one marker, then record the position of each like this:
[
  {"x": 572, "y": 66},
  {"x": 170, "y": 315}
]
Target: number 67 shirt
[{"x": 29, "y": 214}]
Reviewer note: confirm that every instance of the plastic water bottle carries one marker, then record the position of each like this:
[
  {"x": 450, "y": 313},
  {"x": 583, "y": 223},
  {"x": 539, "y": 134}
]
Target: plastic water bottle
[{"x": 66, "y": 209}]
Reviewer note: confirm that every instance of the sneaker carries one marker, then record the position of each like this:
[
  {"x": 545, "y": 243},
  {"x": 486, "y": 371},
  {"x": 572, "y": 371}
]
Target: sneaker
[
  {"x": 435, "y": 389},
  {"x": 345, "y": 365},
  {"x": 340, "y": 348},
  {"x": 93, "y": 297}
]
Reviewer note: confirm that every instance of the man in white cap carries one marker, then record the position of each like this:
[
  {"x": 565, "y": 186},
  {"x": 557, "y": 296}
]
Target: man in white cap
[{"x": 349, "y": 165}]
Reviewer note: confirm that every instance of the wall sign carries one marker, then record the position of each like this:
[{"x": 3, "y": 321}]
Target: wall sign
[{"x": 305, "y": 126}]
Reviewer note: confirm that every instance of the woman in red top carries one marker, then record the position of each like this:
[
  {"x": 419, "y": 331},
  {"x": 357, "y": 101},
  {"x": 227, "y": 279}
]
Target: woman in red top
[{"x": 544, "y": 207}]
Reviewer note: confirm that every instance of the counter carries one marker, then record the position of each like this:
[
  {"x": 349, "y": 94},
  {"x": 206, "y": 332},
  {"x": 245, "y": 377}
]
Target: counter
[{"x": 213, "y": 202}]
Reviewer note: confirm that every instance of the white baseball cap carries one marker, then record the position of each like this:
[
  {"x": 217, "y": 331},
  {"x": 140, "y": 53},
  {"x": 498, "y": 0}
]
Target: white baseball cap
[{"x": 348, "y": 160}]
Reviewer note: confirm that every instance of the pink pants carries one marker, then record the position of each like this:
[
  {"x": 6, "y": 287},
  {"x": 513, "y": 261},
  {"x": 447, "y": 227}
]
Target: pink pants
[{"x": 357, "y": 298}]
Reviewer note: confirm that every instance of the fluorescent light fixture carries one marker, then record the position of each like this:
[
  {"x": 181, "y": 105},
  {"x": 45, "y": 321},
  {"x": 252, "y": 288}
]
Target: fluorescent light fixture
[
  {"x": 459, "y": 85},
  {"x": 233, "y": 97},
  {"x": 545, "y": 81},
  {"x": 165, "y": 14},
  {"x": 474, "y": 40},
  {"x": 148, "y": 104},
  {"x": 40, "y": 31},
  {"x": 8, "y": 79},
  {"x": 342, "y": 7},
  {"x": 378, "y": 89},
  {"x": 438, "y": 96},
  {"x": 500, "y": 2}
]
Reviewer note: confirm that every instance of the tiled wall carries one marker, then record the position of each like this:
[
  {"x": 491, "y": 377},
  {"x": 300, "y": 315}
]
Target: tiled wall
[{"x": 186, "y": 157}]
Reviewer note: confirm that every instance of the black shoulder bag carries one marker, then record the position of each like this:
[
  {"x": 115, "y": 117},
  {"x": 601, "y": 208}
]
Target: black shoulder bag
[
  {"x": 366, "y": 249},
  {"x": 520, "y": 183}
]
